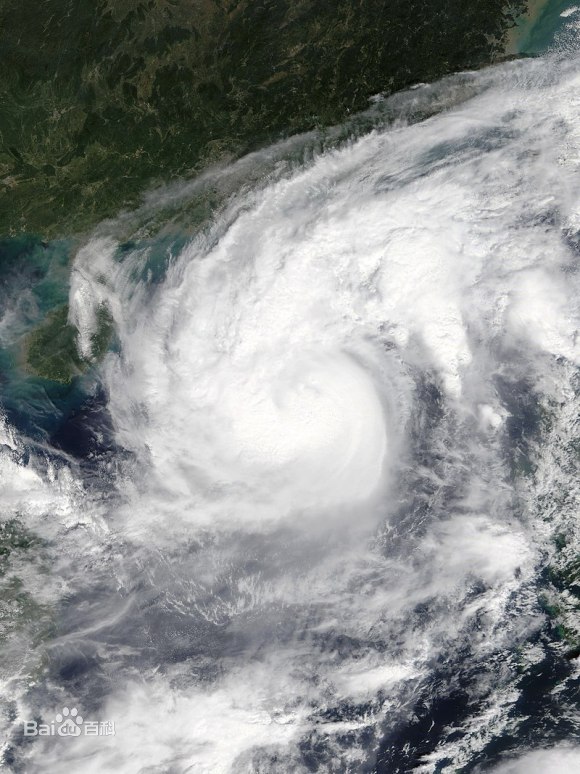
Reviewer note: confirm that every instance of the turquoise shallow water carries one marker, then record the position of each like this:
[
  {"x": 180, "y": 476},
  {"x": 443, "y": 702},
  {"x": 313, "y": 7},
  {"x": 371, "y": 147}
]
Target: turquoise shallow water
[
  {"x": 39, "y": 269},
  {"x": 34, "y": 278},
  {"x": 550, "y": 29},
  {"x": 34, "y": 281}
]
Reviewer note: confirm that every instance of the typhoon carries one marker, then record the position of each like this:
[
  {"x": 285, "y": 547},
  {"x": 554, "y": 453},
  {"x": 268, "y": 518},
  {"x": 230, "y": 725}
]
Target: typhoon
[{"x": 328, "y": 523}]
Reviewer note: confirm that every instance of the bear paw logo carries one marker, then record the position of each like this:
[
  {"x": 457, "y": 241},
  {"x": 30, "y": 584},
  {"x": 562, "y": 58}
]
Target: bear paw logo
[{"x": 69, "y": 722}]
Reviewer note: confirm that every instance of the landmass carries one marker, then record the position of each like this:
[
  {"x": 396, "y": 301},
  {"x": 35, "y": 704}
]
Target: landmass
[{"x": 103, "y": 100}]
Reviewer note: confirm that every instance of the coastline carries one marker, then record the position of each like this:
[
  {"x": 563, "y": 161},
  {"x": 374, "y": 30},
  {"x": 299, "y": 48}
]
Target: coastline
[
  {"x": 165, "y": 94},
  {"x": 517, "y": 34}
]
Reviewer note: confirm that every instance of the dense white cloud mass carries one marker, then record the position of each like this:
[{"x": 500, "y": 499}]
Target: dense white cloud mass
[
  {"x": 554, "y": 761},
  {"x": 322, "y": 508}
]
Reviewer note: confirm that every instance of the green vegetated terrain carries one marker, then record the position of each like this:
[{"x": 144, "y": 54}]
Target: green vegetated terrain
[
  {"x": 18, "y": 547},
  {"x": 102, "y": 100}
]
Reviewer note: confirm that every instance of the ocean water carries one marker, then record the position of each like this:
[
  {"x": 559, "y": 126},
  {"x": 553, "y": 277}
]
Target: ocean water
[
  {"x": 316, "y": 509},
  {"x": 552, "y": 28}
]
